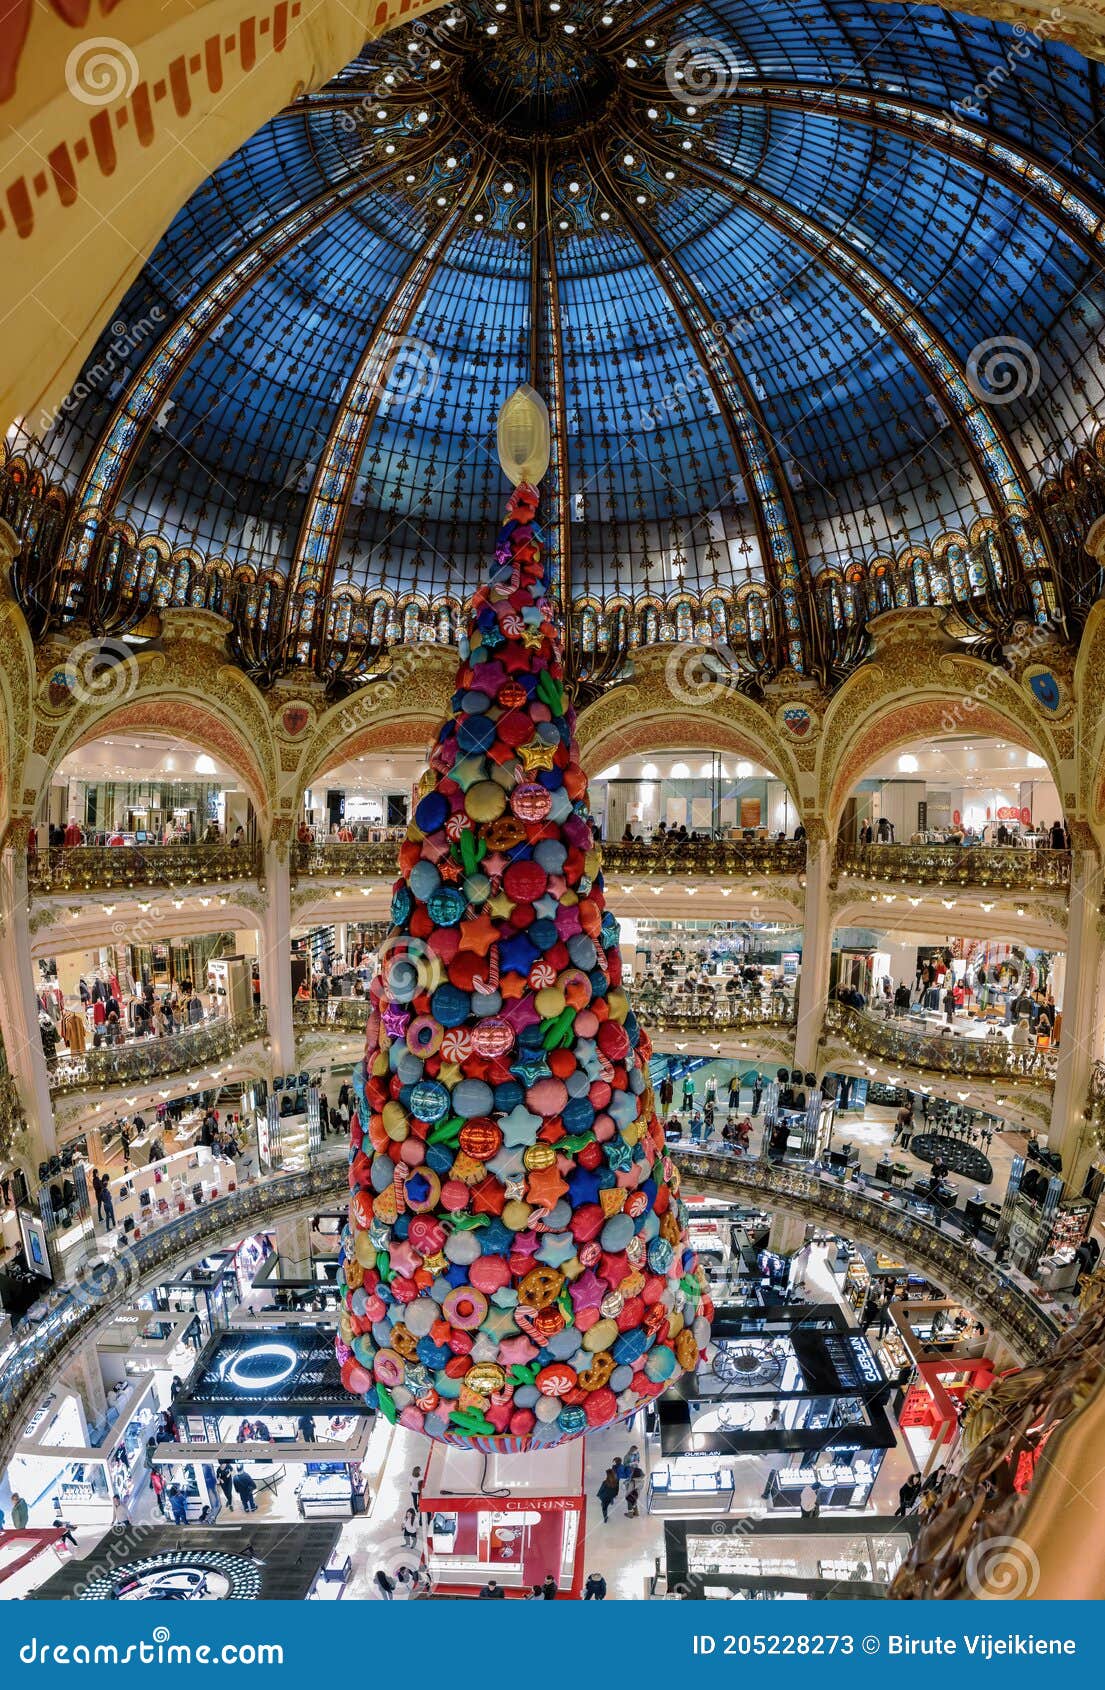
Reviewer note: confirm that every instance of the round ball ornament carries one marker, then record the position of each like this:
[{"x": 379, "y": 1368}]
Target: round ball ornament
[{"x": 493, "y": 1036}]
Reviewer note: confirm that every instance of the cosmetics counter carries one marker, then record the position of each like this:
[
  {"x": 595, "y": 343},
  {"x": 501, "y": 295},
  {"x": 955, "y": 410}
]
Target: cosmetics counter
[
  {"x": 66, "y": 1469},
  {"x": 506, "y": 1517}
]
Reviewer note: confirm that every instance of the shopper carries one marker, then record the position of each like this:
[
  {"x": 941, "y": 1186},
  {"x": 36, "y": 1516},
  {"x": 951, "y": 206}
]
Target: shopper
[
  {"x": 68, "y": 1536},
  {"x": 157, "y": 1485},
  {"x": 757, "y": 1095},
  {"x": 908, "y": 1494},
  {"x": 98, "y": 1183},
  {"x": 224, "y": 1478},
  {"x": 491, "y": 1590},
  {"x": 416, "y": 1486},
  {"x": 178, "y": 1504},
  {"x": 20, "y": 1513},
  {"x": 247, "y": 1490},
  {"x": 595, "y": 1588},
  {"x": 607, "y": 1492},
  {"x": 548, "y": 1589},
  {"x": 632, "y": 1498},
  {"x": 410, "y": 1528},
  {"x": 306, "y": 1427},
  {"x": 108, "y": 1206},
  {"x": 384, "y": 1585}
]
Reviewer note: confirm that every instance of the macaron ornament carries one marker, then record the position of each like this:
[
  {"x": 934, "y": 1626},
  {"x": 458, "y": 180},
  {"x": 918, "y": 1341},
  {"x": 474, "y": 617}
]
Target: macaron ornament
[{"x": 516, "y": 1269}]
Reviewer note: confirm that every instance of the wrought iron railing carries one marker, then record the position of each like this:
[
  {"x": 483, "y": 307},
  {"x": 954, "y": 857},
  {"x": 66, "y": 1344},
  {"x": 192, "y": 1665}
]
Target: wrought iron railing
[
  {"x": 712, "y": 1012},
  {"x": 340, "y": 861},
  {"x": 1009, "y": 867},
  {"x": 669, "y": 857},
  {"x": 118, "y": 868},
  {"x": 149, "y": 1058},
  {"x": 12, "y": 1118},
  {"x": 721, "y": 857},
  {"x": 1012, "y": 1480},
  {"x": 938, "y": 1053},
  {"x": 1006, "y": 1303},
  {"x": 342, "y": 1014}
]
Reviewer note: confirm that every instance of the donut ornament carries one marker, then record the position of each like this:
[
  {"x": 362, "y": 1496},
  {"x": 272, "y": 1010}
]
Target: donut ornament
[{"x": 516, "y": 1269}]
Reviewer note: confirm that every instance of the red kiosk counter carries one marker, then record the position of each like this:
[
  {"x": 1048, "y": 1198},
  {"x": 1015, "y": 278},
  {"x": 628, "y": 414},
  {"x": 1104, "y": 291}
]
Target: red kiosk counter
[{"x": 511, "y": 1518}]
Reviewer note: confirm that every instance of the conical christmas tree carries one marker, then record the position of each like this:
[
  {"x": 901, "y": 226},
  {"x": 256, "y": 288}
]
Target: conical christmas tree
[{"x": 516, "y": 1269}]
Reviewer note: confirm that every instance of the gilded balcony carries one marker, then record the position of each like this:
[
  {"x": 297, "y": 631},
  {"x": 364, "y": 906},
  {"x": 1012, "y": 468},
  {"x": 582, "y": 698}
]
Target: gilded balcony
[
  {"x": 997, "y": 867},
  {"x": 150, "y": 1058},
  {"x": 939, "y": 1053},
  {"x": 122, "y": 868}
]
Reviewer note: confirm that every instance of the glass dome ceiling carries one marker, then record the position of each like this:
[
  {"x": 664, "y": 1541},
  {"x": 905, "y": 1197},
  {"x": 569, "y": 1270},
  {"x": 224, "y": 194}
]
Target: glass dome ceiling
[{"x": 804, "y": 282}]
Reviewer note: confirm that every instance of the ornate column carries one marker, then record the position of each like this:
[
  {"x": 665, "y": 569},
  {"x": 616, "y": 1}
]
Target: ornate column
[
  {"x": 1080, "y": 1038},
  {"x": 292, "y": 1239},
  {"x": 788, "y": 1234},
  {"x": 275, "y": 947},
  {"x": 813, "y": 984},
  {"x": 18, "y": 1003},
  {"x": 84, "y": 1375}
]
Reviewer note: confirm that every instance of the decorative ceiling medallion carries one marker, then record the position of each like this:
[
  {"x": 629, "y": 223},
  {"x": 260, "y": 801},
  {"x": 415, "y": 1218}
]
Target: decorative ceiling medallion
[
  {"x": 294, "y": 719},
  {"x": 1048, "y": 690},
  {"x": 797, "y": 721}
]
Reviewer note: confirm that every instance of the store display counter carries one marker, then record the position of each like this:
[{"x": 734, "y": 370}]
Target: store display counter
[
  {"x": 837, "y": 1486},
  {"x": 325, "y": 1495},
  {"x": 690, "y": 1487},
  {"x": 775, "y": 1559}
]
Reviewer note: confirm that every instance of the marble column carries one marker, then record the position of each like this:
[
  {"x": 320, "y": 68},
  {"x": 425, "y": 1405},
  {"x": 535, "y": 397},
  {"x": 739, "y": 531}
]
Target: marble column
[
  {"x": 1080, "y": 1042},
  {"x": 18, "y": 1002},
  {"x": 813, "y": 985},
  {"x": 275, "y": 954},
  {"x": 292, "y": 1239}
]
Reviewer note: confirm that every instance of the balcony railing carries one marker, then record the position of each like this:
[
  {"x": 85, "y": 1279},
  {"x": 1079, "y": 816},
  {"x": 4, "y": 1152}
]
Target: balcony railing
[
  {"x": 337, "y": 861},
  {"x": 118, "y": 868},
  {"x": 1005, "y": 1301},
  {"x": 698, "y": 1012},
  {"x": 705, "y": 857},
  {"x": 701, "y": 858},
  {"x": 12, "y": 1118},
  {"x": 938, "y": 1053},
  {"x": 150, "y": 1058},
  {"x": 1008, "y": 867},
  {"x": 342, "y": 1014},
  {"x": 68, "y": 1316}
]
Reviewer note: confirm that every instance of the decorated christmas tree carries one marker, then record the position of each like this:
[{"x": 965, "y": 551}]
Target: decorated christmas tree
[{"x": 516, "y": 1269}]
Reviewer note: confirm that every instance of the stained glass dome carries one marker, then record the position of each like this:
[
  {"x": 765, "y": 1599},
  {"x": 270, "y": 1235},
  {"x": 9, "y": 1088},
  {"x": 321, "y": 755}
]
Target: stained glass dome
[{"x": 805, "y": 286}]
